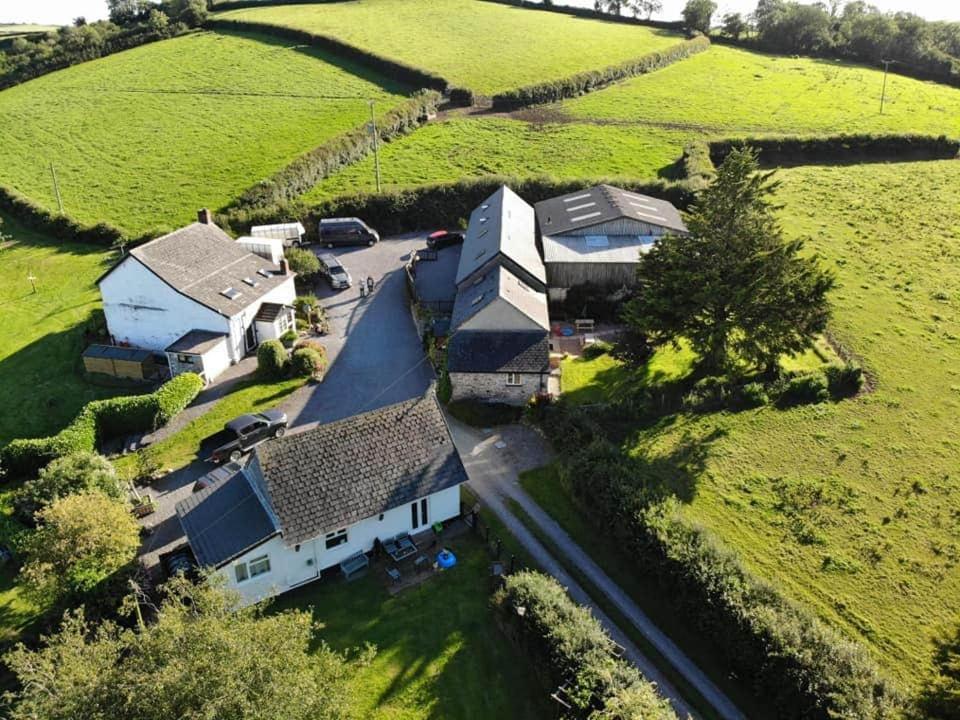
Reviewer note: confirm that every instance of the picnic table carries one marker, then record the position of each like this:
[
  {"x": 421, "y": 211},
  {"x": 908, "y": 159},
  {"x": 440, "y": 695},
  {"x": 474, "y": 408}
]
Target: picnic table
[{"x": 400, "y": 547}]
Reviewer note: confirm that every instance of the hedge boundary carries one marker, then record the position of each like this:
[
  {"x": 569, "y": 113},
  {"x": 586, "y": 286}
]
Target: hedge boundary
[
  {"x": 568, "y": 646},
  {"x": 584, "y": 82},
  {"x": 243, "y": 4},
  {"x": 63, "y": 227},
  {"x": 101, "y": 420},
  {"x": 592, "y": 14},
  {"x": 313, "y": 166}
]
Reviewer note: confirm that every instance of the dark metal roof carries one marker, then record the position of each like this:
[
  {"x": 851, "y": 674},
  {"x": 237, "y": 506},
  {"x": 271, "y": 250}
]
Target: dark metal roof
[
  {"x": 342, "y": 472},
  {"x": 116, "y": 352},
  {"x": 483, "y": 351},
  {"x": 601, "y": 204},
  {"x": 196, "y": 342},
  {"x": 269, "y": 312},
  {"x": 498, "y": 282},
  {"x": 225, "y": 520}
]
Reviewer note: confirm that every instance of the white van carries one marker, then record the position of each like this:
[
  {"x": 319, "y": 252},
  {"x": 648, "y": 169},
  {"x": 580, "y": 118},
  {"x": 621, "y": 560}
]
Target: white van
[{"x": 291, "y": 233}]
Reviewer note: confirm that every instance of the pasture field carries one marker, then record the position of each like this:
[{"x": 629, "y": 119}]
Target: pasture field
[
  {"x": 482, "y": 46},
  {"x": 852, "y": 507},
  {"x": 143, "y": 138},
  {"x": 13, "y": 30}
]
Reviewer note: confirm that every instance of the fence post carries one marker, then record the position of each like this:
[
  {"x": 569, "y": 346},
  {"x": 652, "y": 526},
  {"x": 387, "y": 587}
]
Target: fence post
[
  {"x": 513, "y": 563},
  {"x": 499, "y": 548}
]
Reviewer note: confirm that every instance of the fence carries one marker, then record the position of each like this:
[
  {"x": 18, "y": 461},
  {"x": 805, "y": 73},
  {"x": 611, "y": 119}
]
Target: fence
[{"x": 501, "y": 565}]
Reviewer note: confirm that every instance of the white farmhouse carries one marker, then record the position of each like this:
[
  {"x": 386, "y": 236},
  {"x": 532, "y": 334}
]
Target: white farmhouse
[
  {"x": 312, "y": 500},
  {"x": 200, "y": 297}
]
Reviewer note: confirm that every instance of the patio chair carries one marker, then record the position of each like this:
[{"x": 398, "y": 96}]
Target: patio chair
[{"x": 394, "y": 574}]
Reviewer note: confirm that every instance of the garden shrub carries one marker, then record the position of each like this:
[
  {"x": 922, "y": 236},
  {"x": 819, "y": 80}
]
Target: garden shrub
[
  {"x": 844, "y": 380},
  {"x": 174, "y": 396},
  {"x": 78, "y": 472},
  {"x": 315, "y": 345},
  {"x": 461, "y": 97},
  {"x": 302, "y": 302},
  {"x": 304, "y": 263},
  {"x": 307, "y": 362},
  {"x": 126, "y": 414},
  {"x": 805, "y": 389},
  {"x": 596, "y": 349},
  {"x": 556, "y": 90},
  {"x": 751, "y": 395},
  {"x": 568, "y": 646},
  {"x": 272, "y": 359},
  {"x": 288, "y": 338},
  {"x": 707, "y": 394}
]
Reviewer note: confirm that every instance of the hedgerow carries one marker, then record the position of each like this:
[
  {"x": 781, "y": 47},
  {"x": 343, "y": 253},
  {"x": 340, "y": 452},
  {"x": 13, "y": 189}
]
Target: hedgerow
[
  {"x": 568, "y": 647},
  {"x": 59, "y": 226},
  {"x": 101, "y": 420},
  {"x": 555, "y": 90},
  {"x": 586, "y": 12}
]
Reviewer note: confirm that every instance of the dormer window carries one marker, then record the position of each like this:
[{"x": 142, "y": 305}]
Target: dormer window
[
  {"x": 263, "y": 273},
  {"x": 231, "y": 293},
  {"x": 251, "y": 282}
]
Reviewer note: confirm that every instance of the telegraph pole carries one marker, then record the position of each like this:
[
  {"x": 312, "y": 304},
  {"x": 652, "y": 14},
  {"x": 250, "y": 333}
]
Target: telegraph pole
[
  {"x": 376, "y": 143},
  {"x": 56, "y": 187},
  {"x": 883, "y": 93}
]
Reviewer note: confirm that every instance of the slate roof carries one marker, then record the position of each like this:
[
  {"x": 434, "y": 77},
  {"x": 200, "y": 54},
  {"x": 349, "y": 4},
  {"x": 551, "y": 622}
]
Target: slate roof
[
  {"x": 196, "y": 342},
  {"x": 225, "y": 520},
  {"x": 340, "y": 473},
  {"x": 503, "y": 223},
  {"x": 482, "y": 351},
  {"x": 603, "y": 203},
  {"x": 499, "y": 283},
  {"x": 201, "y": 261}
]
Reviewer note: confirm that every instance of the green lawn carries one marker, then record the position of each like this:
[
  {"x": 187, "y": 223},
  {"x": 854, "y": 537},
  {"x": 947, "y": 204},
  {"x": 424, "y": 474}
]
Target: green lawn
[
  {"x": 482, "y": 46},
  {"x": 728, "y": 91},
  {"x": 851, "y": 507},
  {"x": 143, "y": 138},
  {"x": 603, "y": 378},
  {"x": 41, "y": 336},
  {"x": 439, "y": 654}
]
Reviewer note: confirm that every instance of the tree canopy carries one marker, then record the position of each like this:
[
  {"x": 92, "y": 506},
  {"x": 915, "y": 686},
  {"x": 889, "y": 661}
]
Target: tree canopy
[
  {"x": 697, "y": 14},
  {"x": 637, "y": 7},
  {"x": 941, "y": 697},
  {"x": 74, "y": 473},
  {"x": 734, "y": 288},
  {"x": 201, "y": 658}
]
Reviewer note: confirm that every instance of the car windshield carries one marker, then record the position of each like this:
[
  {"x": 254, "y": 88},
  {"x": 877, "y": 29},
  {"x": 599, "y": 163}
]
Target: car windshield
[{"x": 337, "y": 271}]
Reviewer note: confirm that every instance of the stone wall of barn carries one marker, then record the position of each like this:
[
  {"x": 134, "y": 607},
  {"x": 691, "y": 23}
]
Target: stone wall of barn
[{"x": 492, "y": 387}]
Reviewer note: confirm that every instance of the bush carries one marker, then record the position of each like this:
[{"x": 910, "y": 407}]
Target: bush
[
  {"x": 596, "y": 349},
  {"x": 461, "y": 97},
  {"x": 315, "y": 345},
  {"x": 175, "y": 395},
  {"x": 751, "y": 395},
  {"x": 303, "y": 262},
  {"x": 125, "y": 415},
  {"x": 707, "y": 394},
  {"x": 805, "y": 389},
  {"x": 307, "y": 362},
  {"x": 844, "y": 380},
  {"x": 288, "y": 338},
  {"x": 272, "y": 360},
  {"x": 75, "y": 473},
  {"x": 303, "y": 302}
]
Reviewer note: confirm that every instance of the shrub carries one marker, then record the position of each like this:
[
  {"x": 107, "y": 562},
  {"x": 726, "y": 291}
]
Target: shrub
[
  {"x": 303, "y": 302},
  {"x": 74, "y": 473},
  {"x": 303, "y": 262},
  {"x": 844, "y": 380},
  {"x": 805, "y": 389},
  {"x": 272, "y": 359},
  {"x": 125, "y": 415},
  {"x": 288, "y": 338},
  {"x": 461, "y": 97},
  {"x": 175, "y": 395},
  {"x": 307, "y": 362},
  {"x": 595, "y": 350},
  {"x": 707, "y": 394},
  {"x": 751, "y": 395},
  {"x": 315, "y": 345}
]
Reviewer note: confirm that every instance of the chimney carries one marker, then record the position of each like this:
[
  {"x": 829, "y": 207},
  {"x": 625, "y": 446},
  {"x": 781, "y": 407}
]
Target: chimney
[
  {"x": 205, "y": 216},
  {"x": 284, "y": 266}
]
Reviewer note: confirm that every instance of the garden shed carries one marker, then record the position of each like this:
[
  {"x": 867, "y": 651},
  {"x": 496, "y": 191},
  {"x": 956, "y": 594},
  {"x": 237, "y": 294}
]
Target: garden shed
[{"x": 119, "y": 361}]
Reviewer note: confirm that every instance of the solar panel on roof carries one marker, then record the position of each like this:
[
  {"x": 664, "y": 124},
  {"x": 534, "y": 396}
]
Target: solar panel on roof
[
  {"x": 577, "y": 197},
  {"x": 585, "y": 217},
  {"x": 231, "y": 293},
  {"x": 581, "y": 207}
]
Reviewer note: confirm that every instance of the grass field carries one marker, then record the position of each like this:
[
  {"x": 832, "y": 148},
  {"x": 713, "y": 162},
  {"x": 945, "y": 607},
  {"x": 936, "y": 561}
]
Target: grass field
[
  {"x": 439, "y": 653},
  {"x": 482, "y": 46},
  {"x": 13, "y": 30},
  {"x": 852, "y": 507},
  {"x": 41, "y": 336},
  {"x": 143, "y": 138}
]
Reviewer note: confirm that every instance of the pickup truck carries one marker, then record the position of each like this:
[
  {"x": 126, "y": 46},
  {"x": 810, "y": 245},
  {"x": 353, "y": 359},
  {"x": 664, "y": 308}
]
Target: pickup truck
[{"x": 248, "y": 431}]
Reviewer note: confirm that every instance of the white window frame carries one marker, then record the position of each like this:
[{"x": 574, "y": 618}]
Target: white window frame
[
  {"x": 258, "y": 561},
  {"x": 238, "y": 569},
  {"x": 338, "y": 538},
  {"x": 514, "y": 379}
]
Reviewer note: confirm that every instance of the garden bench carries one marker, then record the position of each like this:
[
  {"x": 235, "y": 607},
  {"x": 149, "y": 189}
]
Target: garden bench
[{"x": 354, "y": 565}]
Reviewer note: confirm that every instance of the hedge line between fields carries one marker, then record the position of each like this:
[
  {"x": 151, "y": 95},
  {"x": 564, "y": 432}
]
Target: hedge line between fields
[
  {"x": 568, "y": 647},
  {"x": 431, "y": 206},
  {"x": 592, "y": 14},
  {"x": 312, "y": 167},
  {"x": 243, "y": 4},
  {"x": 555, "y": 90},
  {"x": 59, "y": 226},
  {"x": 101, "y": 420},
  {"x": 795, "y": 665}
]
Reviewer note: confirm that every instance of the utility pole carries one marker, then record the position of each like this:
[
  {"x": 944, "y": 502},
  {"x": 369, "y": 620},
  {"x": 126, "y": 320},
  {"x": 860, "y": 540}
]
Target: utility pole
[
  {"x": 376, "y": 143},
  {"x": 33, "y": 282},
  {"x": 883, "y": 93},
  {"x": 56, "y": 187}
]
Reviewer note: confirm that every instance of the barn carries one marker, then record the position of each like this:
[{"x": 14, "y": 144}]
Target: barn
[{"x": 596, "y": 236}]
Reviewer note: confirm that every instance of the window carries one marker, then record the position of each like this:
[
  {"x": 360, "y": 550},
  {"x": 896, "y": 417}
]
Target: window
[
  {"x": 259, "y": 566},
  {"x": 423, "y": 511},
  {"x": 336, "y": 538},
  {"x": 414, "y": 517},
  {"x": 185, "y": 359},
  {"x": 514, "y": 379},
  {"x": 284, "y": 321},
  {"x": 241, "y": 572}
]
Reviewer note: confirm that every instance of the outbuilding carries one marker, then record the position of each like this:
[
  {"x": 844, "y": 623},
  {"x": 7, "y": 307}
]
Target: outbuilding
[
  {"x": 290, "y": 233},
  {"x": 121, "y": 362}
]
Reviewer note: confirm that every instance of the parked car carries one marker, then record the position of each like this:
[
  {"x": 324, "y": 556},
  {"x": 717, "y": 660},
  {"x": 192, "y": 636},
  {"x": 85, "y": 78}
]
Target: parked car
[
  {"x": 248, "y": 431},
  {"x": 443, "y": 238},
  {"x": 347, "y": 231},
  {"x": 222, "y": 472},
  {"x": 334, "y": 271}
]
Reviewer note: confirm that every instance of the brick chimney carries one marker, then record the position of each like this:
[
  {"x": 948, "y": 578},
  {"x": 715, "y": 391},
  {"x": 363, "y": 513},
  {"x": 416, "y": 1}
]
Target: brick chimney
[
  {"x": 205, "y": 216},
  {"x": 284, "y": 266}
]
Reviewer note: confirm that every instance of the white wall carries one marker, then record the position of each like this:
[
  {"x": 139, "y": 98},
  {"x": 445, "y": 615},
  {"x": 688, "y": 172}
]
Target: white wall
[
  {"x": 144, "y": 311},
  {"x": 284, "y": 294}
]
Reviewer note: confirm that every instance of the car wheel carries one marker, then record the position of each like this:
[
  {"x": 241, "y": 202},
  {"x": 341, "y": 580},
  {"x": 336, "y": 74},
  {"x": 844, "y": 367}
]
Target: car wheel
[
  {"x": 236, "y": 455},
  {"x": 279, "y": 432}
]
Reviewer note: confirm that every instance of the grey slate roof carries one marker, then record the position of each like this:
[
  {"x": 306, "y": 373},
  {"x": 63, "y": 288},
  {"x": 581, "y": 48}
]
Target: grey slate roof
[
  {"x": 196, "y": 342},
  {"x": 482, "y": 351},
  {"x": 503, "y": 223},
  {"x": 603, "y": 203},
  {"x": 201, "y": 261},
  {"x": 225, "y": 520},
  {"x": 498, "y": 282},
  {"x": 340, "y": 473}
]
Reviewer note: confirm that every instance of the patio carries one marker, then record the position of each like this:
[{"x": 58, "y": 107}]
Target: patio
[{"x": 415, "y": 561}]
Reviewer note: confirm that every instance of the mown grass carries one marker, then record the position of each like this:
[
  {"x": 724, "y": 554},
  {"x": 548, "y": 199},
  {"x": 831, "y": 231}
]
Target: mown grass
[
  {"x": 41, "y": 336},
  {"x": 482, "y": 46},
  {"x": 143, "y": 138},
  {"x": 729, "y": 91},
  {"x": 851, "y": 507},
  {"x": 439, "y": 653}
]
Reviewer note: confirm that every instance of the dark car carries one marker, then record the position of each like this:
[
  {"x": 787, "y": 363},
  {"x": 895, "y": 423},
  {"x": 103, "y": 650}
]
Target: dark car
[
  {"x": 334, "y": 271},
  {"x": 248, "y": 431},
  {"x": 223, "y": 472},
  {"x": 443, "y": 238},
  {"x": 347, "y": 231}
]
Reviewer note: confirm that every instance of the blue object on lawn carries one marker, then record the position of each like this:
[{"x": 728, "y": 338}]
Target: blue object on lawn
[
  {"x": 567, "y": 331},
  {"x": 446, "y": 559}
]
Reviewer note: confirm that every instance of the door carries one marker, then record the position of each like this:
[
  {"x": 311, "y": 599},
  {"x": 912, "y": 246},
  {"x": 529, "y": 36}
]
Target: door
[
  {"x": 418, "y": 514},
  {"x": 250, "y": 338}
]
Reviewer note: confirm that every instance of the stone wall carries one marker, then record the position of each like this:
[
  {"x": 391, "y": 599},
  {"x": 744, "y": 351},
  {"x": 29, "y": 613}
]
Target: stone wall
[{"x": 492, "y": 387}]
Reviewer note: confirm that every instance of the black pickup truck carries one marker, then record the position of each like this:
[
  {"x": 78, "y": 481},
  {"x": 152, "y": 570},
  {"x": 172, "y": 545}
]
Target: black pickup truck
[{"x": 248, "y": 431}]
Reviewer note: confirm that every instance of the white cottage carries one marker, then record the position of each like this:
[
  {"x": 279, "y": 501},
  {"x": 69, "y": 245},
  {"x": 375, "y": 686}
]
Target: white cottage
[
  {"x": 309, "y": 501},
  {"x": 198, "y": 296}
]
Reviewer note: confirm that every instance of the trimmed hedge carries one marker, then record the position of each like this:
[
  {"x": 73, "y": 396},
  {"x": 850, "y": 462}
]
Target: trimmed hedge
[
  {"x": 592, "y": 14},
  {"x": 241, "y": 4},
  {"x": 431, "y": 206},
  {"x": 555, "y": 90},
  {"x": 101, "y": 420},
  {"x": 312, "y": 167},
  {"x": 59, "y": 226},
  {"x": 568, "y": 646}
]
